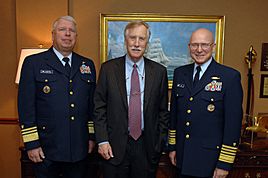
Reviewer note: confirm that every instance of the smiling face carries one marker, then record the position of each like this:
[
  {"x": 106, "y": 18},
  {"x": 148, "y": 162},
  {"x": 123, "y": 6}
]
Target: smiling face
[
  {"x": 201, "y": 45},
  {"x": 136, "y": 40},
  {"x": 64, "y": 36}
]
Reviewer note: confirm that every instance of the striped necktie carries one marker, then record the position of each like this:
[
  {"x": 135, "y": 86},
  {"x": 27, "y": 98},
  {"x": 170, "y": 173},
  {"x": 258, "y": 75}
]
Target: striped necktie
[{"x": 134, "y": 109}]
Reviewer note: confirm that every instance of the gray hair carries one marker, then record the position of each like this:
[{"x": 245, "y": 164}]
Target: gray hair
[
  {"x": 137, "y": 23},
  {"x": 67, "y": 17}
]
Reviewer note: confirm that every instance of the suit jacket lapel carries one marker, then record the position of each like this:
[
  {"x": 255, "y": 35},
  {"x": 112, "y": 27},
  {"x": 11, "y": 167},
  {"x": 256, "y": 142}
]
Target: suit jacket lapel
[
  {"x": 54, "y": 62},
  {"x": 149, "y": 79},
  {"x": 121, "y": 79}
]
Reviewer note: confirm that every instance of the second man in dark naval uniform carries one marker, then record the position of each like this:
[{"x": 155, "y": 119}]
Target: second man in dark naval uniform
[{"x": 206, "y": 113}]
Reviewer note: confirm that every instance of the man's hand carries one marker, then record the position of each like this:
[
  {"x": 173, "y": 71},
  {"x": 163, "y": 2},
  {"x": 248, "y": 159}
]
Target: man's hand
[
  {"x": 106, "y": 151},
  {"x": 172, "y": 157},
  {"x": 36, "y": 155},
  {"x": 91, "y": 145},
  {"x": 220, "y": 173}
]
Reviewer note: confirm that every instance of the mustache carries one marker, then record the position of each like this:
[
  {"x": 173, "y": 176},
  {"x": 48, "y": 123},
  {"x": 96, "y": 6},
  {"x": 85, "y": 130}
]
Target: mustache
[{"x": 135, "y": 49}]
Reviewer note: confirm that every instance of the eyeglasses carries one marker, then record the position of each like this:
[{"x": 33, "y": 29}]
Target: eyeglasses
[{"x": 204, "y": 46}]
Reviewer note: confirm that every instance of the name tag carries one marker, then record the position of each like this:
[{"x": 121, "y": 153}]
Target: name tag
[
  {"x": 180, "y": 85},
  {"x": 46, "y": 71}
]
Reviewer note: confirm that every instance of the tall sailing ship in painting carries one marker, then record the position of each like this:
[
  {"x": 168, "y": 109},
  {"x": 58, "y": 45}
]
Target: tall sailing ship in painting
[{"x": 155, "y": 52}]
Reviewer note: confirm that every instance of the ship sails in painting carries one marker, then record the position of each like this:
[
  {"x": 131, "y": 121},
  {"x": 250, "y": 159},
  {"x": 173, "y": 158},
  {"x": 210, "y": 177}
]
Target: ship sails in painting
[{"x": 155, "y": 52}]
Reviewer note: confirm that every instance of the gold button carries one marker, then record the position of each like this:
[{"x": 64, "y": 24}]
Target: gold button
[
  {"x": 22, "y": 126},
  {"x": 187, "y": 123},
  {"x": 218, "y": 147},
  {"x": 234, "y": 144},
  {"x": 212, "y": 99},
  {"x": 43, "y": 127},
  {"x": 46, "y": 80},
  {"x": 72, "y": 118},
  {"x": 187, "y": 136},
  {"x": 88, "y": 81},
  {"x": 72, "y": 105},
  {"x": 71, "y": 92},
  {"x": 71, "y": 81},
  {"x": 191, "y": 99},
  {"x": 189, "y": 111}
]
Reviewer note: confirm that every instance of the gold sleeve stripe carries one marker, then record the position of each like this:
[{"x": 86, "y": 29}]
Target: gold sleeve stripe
[
  {"x": 226, "y": 160},
  {"x": 229, "y": 147},
  {"x": 228, "y": 153},
  {"x": 90, "y": 127},
  {"x": 172, "y": 137},
  {"x": 31, "y": 128},
  {"x": 30, "y": 137},
  {"x": 230, "y": 159},
  {"x": 172, "y": 131},
  {"x": 228, "y": 150},
  {"x": 172, "y": 141},
  {"x": 91, "y": 130},
  {"x": 227, "y": 156},
  {"x": 29, "y": 132}
]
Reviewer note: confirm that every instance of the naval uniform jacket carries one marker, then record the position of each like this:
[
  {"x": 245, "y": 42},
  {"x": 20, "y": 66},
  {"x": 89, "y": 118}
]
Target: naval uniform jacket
[
  {"x": 55, "y": 110},
  {"x": 111, "y": 108},
  {"x": 205, "y": 121}
]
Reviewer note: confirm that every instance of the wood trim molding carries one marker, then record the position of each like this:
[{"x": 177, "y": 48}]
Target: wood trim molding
[{"x": 9, "y": 121}]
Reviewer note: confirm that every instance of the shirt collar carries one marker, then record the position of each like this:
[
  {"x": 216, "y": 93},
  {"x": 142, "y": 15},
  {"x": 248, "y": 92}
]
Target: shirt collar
[
  {"x": 203, "y": 66},
  {"x": 60, "y": 56},
  {"x": 139, "y": 64}
]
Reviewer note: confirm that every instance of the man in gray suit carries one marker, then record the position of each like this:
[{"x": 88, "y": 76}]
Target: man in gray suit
[{"x": 131, "y": 113}]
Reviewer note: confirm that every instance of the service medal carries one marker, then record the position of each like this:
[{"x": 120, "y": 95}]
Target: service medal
[
  {"x": 211, "y": 107},
  {"x": 214, "y": 86},
  {"x": 46, "y": 89},
  {"x": 84, "y": 69}
]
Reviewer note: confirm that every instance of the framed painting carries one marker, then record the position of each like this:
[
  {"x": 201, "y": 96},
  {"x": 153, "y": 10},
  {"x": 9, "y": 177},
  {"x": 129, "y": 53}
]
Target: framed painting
[
  {"x": 264, "y": 86},
  {"x": 169, "y": 39}
]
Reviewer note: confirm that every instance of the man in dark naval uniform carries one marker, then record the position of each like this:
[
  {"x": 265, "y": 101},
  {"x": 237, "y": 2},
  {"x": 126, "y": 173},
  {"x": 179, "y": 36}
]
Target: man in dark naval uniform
[
  {"x": 206, "y": 113},
  {"x": 55, "y": 103}
]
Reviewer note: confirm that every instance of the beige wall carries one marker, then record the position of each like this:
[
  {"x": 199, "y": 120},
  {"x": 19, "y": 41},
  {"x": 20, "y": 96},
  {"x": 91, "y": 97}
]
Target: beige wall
[
  {"x": 8, "y": 59},
  {"x": 27, "y": 23},
  {"x": 9, "y": 155}
]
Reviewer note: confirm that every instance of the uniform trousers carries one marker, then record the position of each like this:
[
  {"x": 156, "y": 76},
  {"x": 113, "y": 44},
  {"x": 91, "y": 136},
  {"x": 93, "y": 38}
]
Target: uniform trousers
[
  {"x": 134, "y": 165},
  {"x": 179, "y": 175},
  {"x": 55, "y": 169}
]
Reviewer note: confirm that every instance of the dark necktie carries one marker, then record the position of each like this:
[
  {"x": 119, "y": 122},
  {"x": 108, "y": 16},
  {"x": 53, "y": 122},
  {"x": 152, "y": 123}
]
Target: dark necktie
[
  {"x": 196, "y": 76},
  {"x": 134, "y": 109},
  {"x": 67, "y": 65}
]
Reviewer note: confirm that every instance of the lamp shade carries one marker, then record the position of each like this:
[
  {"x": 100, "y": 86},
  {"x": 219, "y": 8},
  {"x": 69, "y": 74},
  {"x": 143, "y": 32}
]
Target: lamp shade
[{"x": 24, "y": 53}]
